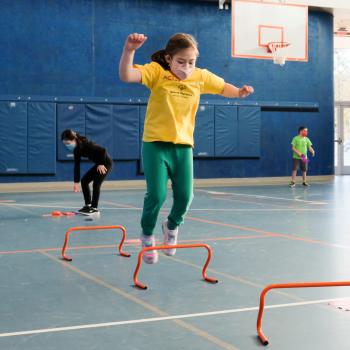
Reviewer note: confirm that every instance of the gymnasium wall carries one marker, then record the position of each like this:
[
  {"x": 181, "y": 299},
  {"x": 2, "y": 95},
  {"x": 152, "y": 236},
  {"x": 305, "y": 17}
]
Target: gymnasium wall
[{"x": 58, "y": 69}]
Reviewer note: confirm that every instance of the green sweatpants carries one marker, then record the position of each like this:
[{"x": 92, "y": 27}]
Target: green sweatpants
[{"x": 161, "y": 161}]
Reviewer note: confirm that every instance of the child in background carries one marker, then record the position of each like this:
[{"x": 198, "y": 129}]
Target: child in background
[
  {"x": 82, "y": 147},
  {"x": 300, "y": 145},
  {"x": 176, "y": 85}
]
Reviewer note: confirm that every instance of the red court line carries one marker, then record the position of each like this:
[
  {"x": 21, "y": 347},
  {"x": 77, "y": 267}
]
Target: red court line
[
  {"x": 251, "y": 202},
  {"x": 128, "y": 242},
  {"x": 224, "y": 238},
  {"x": 37, "y": 250},
  {"x": 120, "y": 205},
  {"x": 219, "y": 223},
  {"x": 268, "y": 233},
  {"x": 253, "y": 229}
]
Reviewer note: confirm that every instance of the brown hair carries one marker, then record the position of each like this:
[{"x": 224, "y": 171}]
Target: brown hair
[
  {"x": 175, "y": 44},
  {"x": 70, "y": 135}
]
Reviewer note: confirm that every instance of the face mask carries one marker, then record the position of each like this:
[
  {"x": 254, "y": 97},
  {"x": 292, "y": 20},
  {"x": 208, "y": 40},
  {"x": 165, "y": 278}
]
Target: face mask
[
  {"x": 71, "y": 146},
  {"x": 180, "y": 70}
]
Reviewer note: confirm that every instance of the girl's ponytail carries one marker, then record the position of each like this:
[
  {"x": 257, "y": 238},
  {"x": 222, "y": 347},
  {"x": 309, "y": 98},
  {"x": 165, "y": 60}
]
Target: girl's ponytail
[
  {"x": 159, "y": 57},
  {"x": 80, "y": 138}
]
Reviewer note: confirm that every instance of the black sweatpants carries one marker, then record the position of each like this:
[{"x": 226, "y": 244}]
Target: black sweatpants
[{"x": 96, "y": 178}]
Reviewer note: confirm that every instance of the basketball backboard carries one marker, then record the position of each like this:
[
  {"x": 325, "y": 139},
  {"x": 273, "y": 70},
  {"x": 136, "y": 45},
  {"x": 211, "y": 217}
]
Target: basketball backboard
[{"x": 256, "y": 23}]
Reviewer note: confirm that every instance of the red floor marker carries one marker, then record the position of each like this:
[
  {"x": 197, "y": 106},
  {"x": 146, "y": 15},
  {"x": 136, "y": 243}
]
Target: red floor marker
[
  {"x": 58, "y": 213},
  {"x": 94, "y": 228},
  {"x": 178, "y": 246},
  {"x": 68, "y": 213},
  {"x": 261, "y": 334}
]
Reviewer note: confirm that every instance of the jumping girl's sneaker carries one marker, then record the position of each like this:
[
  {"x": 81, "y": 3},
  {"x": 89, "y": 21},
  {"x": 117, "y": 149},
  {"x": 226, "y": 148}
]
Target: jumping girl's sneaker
[
  {"x": 292, "y": 184},
  {"x": 306, "y": 184},
  {"x": 150, "y": 256},
  {"x": 169, "y": 238}
]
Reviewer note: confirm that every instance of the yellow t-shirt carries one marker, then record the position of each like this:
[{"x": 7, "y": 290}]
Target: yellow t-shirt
[{"x": 173, "y": 103}]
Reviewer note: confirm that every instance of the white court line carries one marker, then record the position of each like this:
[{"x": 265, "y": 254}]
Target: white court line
[
  {"x": 164, "y": 318},
  {"x": 261, "y": 196},
  {"x": 36, "y": 205},
  {"x": 51, "y": 206},
  {"x": 194, "y": 209}
]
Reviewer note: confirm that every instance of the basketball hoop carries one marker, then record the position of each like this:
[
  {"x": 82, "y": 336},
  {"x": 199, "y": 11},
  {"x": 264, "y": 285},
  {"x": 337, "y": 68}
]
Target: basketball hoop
[{"x": 279, "y": 52}]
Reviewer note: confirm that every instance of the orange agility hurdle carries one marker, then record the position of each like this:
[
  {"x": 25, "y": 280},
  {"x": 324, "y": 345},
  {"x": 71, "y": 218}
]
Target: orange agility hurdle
[
  {"x": 178, "y": 246},
  {"x": 92, "y": 228},
  {"x": 261, "y": 334}
]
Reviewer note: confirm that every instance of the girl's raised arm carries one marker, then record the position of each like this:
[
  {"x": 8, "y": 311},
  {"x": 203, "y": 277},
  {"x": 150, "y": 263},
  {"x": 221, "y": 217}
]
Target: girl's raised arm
[{"x": 127, "y": 72}]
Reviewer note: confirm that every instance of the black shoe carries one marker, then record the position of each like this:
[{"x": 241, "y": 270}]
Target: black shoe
[
  {"x": 84, "y": 209},
  {"x": 306, "y": 184},
  {"x": 91, "y": 211},
  {"x": 292, "y": 184}
]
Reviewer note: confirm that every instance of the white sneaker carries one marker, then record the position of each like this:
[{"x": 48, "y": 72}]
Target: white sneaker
[
  {"x": 150, "y": 256},
  {"x": 169, "y": 238}
]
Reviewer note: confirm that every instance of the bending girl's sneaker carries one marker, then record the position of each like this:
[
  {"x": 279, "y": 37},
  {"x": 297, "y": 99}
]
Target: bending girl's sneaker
[
  {"x": 90, "y": 211},
  {"x": 169, "y": 238},
  {"x": 150, "y": 256},
  {"x": 84, "y": 209}
]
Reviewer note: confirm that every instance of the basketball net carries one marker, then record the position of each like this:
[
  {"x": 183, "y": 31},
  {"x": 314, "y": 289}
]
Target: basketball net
[{"x": 279, "y": 52}]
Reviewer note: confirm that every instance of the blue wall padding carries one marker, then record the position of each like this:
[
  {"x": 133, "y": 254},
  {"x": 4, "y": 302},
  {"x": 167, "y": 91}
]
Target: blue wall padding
[
  {"x": 69, "y": 116},
  {"x": 226, "y": 130},
  {"x": 13, "y": 137},
  {"x": 126, "y": 132},
  {"x": 41, "y": 138},
  {"x": 276, "y": 152},
  {"x": 99, "y": 127},
  {"x": 77, "y": 45},
  {"x": 204, "y": 132},
  {"x": 249, "y": 131}
]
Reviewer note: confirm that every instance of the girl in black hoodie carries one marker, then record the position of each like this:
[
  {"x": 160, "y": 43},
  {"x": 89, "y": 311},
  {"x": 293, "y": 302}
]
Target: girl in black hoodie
[{"x": 82, "y": 147}]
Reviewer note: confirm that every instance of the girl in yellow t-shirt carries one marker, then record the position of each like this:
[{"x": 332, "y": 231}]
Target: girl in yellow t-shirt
[{"x": 176, "y": 85}]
